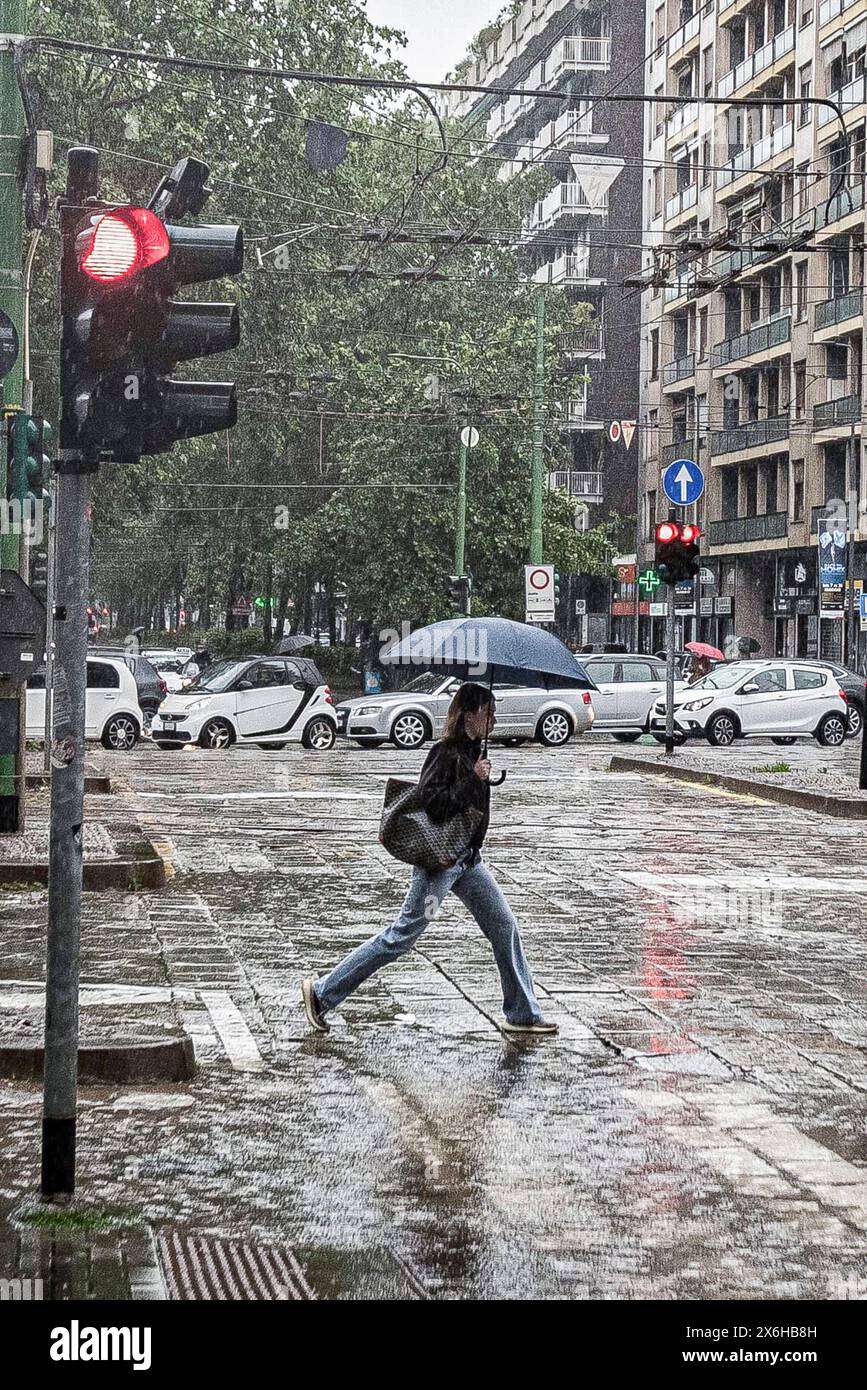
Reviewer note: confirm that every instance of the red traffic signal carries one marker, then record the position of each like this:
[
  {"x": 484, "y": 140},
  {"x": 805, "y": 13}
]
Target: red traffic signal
[
  {"x": 667, "y": 531},
  {"x": 119, "y": 244},
  {"x": 689, "y": 534}
]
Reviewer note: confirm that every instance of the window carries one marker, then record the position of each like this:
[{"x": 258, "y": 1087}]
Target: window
[
  {"x": 801, "y": 289},
  {"x": 654, "y": 354},
  {"x": 101, "y": 676},
  {"x": 806, "y": 13},
  {"x": 267, "y": 674},
  {"x": 810, "y": 680},
  {"x": 707, "y": 61},
  {"x": 601, "y": 671},
  {"x": 659, "y": 26},
  {"x": 634, "y": 671},
  {"x": 805, "y": 114},
  {"x": 657, "y": 191},
  {"x": 705, "y": 162},
  {"x": 650, "y": 517},
  {"x": 766, "y": 683},
  {"x": 836, "y": 362},
  {"x": 798, "y": 494},
  {"x": 803, "y": 184},
  {"x": 800, "y": 389},
  {"x": 702, "y": 334}
]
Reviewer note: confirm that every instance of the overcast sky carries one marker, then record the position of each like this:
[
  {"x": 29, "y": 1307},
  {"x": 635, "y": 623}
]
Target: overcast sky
[{"x": 438, "y": 30}]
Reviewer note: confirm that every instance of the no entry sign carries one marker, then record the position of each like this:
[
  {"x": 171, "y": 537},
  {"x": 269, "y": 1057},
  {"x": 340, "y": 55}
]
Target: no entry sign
[{"x": 539, "y": 593}]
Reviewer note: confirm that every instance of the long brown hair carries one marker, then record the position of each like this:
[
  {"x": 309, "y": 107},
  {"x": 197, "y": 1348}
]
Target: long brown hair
[{"x": 468, "y": 700}]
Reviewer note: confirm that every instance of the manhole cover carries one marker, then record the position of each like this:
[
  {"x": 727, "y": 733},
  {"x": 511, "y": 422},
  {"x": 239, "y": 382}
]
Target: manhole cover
[{"x": 205, "y": 1267}]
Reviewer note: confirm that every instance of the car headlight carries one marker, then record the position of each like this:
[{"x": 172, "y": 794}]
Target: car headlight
[
  {"x": 699, "y": 704},
  {"x": 367, "y": 710}
]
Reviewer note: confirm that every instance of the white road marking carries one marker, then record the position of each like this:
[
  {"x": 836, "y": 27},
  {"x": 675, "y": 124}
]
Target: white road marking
[
  {"x": 234, "y": 1034},
  {"x": 662, "y": 884}
]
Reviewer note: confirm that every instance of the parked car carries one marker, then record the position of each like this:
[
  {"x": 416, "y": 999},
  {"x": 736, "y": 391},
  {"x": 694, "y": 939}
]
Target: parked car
[
  {"x": 261, "y": 699},
  {"x": 112, "y": 710},
  {"x": 168, "y": 666},
  {"x": 851, "y": 684},
  {"x": 776, "y": 699},
  {"x": 410, "y": 717},
  {"x": 151, "y": 686},
  {"x": 627, "y": 690}
]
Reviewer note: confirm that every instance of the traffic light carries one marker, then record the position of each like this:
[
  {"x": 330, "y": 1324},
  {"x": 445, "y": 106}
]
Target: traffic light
[
  {"x": 38, "y": 578},
  {"x": 677, "y": 551},
  {"x": 123, "y": 333},
  {"x": 556, "y": 587},
  {"x": 460, "y": 589}
]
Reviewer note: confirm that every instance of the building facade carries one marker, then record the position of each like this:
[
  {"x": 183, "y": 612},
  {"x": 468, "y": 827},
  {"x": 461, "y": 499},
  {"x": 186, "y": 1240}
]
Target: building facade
[
  {"x": 583, "y": 235},
  {"x": 752, "y": 320}
]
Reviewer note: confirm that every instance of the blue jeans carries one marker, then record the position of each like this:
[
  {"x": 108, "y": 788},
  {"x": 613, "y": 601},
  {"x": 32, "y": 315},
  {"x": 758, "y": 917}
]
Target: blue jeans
[{"x": 479, "y": 891}]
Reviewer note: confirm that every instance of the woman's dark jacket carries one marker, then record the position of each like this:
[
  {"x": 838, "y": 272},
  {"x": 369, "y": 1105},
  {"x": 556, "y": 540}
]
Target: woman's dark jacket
[{"x": 451, "y": 785}]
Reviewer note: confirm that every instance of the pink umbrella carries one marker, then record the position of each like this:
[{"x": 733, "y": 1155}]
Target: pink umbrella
[{"x": 705, "y": 649}]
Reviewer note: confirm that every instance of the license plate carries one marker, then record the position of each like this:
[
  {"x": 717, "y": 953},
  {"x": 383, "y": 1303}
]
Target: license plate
[{"x": 169, "y": 724}]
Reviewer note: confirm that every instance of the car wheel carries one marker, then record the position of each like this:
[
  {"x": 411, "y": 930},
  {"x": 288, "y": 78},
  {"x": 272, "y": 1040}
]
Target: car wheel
[
  {"x": 120, "y": 733},
  {"x": 410, "y": 731},
  {"x": 832, "y": 731},
  {"x": 627, "y": 738},
  {"x": 278, "y": 746},
  {"x": 722, "y": 731},
  {"x": 320, "y": 735},
  {"x": 216, "y": 734},
  {"x": 856, "y": 720},
  {"x": 554, "y": 729}
]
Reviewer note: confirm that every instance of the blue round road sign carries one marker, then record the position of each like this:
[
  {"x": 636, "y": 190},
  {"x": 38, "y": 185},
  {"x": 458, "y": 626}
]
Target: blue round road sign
[{"x": 683, "y": 482}]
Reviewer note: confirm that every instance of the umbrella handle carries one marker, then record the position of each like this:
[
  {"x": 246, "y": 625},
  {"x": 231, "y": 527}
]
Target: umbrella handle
[{"x": 497, "y": 781}]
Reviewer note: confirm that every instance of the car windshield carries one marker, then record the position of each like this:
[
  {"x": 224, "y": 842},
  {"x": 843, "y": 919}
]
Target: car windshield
[
  {"x": 722, "y": 677},
  {"x": 425, "y": 684},
  {"x": 218, "y": 677}
]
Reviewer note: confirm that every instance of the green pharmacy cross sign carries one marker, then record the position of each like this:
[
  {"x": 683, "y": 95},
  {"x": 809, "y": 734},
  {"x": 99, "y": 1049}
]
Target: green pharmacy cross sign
[{"x": 649, "y": 582}]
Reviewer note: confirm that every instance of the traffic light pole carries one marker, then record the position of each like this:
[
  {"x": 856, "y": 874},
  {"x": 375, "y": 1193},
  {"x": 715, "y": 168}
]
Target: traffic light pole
[
  {"x": 12, "y": 22},
  {"x": 538, "y": 478},
  {"x": 669, "y": 674},
  {"x": 461, "y": 522}
]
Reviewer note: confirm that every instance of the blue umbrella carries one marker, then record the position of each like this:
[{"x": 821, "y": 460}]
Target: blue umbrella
[{"x": 489, "y": 649}]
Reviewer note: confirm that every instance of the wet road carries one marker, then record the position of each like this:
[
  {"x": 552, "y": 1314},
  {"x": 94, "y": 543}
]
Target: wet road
[{"x": 696, "y": 1130}]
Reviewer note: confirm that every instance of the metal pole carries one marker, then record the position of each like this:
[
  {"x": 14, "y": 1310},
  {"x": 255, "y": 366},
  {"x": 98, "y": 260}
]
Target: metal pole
[
  {"x": 669, "y": 674},
  {"x": 851, "y": 657},
  {"x": 461, "y": 523},
  {"x": 538, "y": 478}
]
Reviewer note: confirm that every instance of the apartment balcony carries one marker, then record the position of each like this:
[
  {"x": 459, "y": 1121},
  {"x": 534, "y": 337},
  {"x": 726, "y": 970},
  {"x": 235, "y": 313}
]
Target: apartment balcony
[
  {"x": 587, "y": 487},
  {"x": 575, "y": 415},
  {"x": 840, "y": 414},
  {"x": 842, "y": 309},
  {"x": 831, "y": 9},
  {"x": 753, "y": 434},
  {"x": 682, "y": 201},
  {"x": 846, "y": 203},
  {"x": 685, "y": 115},
  {"x": 684, "y": 39},
  {"x": 680, "y": 370},
  {"x": 572, "y": 268},
  {"x": 761, "y": 339},
  {"x": 586, "y": 341},
  {"x": 572, "y": 128},
  {"x": 576, "y": 54},
  {"x": 566, "y": 200},
  {"x": 763, "y": 63},
  {"x": 771, "y": 146},
  {"x": 848, "y": 98},
  {"x": 680, "y": 449},
  {"x": 778, "y": 240},
  {"x": 746, "y": 530}
]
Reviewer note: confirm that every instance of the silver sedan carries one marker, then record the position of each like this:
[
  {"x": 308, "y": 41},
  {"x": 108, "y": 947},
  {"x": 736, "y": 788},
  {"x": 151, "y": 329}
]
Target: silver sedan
[{"x": 409, "y": 717}]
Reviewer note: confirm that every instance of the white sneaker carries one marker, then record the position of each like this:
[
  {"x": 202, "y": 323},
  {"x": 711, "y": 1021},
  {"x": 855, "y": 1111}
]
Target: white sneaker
[
  {"x": 315, "y": 1018},
  {"x": 540, "y": 1027}
]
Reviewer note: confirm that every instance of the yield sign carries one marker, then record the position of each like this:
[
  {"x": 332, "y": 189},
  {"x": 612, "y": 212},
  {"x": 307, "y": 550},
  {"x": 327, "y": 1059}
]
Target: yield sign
[{"x": 628, "y": 428}]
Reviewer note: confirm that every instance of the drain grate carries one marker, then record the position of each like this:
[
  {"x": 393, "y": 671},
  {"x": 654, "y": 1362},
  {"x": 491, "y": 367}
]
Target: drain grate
[{"x": 206, "y": 1267}]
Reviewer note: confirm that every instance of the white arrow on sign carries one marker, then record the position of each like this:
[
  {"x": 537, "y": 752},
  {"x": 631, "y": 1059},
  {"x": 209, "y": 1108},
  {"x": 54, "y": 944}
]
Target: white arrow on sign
[{"x": 683, "y": 478}]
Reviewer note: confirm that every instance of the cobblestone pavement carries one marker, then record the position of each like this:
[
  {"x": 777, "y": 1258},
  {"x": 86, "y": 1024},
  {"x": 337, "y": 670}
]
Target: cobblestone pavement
[{"x": 697, "y": 1130}]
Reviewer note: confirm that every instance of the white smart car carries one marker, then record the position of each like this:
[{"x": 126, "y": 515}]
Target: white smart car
[{"x": 260, "y": 700}]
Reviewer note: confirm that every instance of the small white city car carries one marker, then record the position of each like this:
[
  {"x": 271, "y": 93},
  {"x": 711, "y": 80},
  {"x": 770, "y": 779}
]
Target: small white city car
[
  {"x": 112, "y": 710},
  {"x": 779, "y": 700},
  {"x": 259, "y": 700}
]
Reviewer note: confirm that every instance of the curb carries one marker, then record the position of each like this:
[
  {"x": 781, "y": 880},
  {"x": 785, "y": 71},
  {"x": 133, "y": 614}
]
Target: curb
[
  {"x": 137, "y": 866},
  {"x": 94, "y": 782},
  {"x": 171, "y": 1060},
  {"x": 837, "y": 806}
]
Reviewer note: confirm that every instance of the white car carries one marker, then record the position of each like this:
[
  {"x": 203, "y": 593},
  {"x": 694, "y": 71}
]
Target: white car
[
  {"x": 258, "y": 700},
  {"x": 112, "y": 710},
  {"x": 777, "y": 699},
  {"x": 169, "y": 665},
  {"x": 628, "y": 687}
]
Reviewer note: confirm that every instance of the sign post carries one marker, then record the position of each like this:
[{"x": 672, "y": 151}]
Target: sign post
[
  {"x": 683, "y": 484},
  {"x": 539, "y": 600}
]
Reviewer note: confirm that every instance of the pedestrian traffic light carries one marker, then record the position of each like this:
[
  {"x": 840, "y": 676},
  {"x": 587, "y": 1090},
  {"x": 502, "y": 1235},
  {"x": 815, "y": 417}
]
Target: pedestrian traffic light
[
  {"x": 677, "y": 551},
  {"x": 123, "y": 333}
]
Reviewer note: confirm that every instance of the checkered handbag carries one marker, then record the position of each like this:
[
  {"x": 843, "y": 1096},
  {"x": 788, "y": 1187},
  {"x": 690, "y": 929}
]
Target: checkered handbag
[{"x": 408, "y": 833}]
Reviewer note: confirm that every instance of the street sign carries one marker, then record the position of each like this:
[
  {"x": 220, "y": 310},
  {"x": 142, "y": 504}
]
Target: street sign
[
  {"x": 628, "y": 427},
  {"x": 539, "y": 593},
  {"x": 723, "y": 606},
  {"x": 22, "y": 628},
  {"x": 469, "y": 437},
  {"x": 658, "y": 610},
  {"x": 614, "y": 431},
  {"x": 683, "y": 482},
  {"x": 707, "y": 576},
  {"x": 8, "y": 345},
  {"x": 580, "y": 607}
]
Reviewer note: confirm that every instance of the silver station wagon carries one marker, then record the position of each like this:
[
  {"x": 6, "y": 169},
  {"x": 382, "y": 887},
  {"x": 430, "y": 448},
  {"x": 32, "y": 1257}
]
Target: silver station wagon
[{"x": 410, "y": 717}]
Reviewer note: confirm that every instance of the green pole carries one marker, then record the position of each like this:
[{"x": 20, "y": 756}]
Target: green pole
[
  {"x": 461, "y": 524},
  {"x": 538, "y": 487},
  {"x": 12, "y": 22}
]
